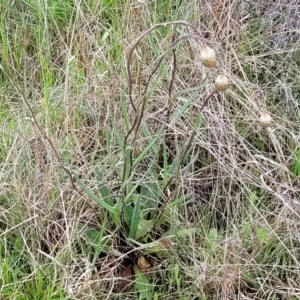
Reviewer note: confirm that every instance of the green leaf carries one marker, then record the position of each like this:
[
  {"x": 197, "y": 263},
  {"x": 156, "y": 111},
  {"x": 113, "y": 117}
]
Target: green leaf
[
  {"x": 143, "y": 285},
  {"x": 117, "y": 136},
  {"x": 183, "y": 233},
  {"x": 148, "y": 136},
  {"x": 150, "y": 194},
  {"x": 135, "y": 217},
  {"x": 213, "y": 235},
  {"x": 188, "y": 103},
  {"x": 127, "y": 164},
  {"x": 128, "y": 212},
  {"x": 174, "y": 166},
  {"x": 147, "y": 149},
  {"x": 213, "y": 239},
  {"x": 165, "y": 159},
  {"x": 144, "y": 227},
  {"x": 115, "y": 213},
  {"x": 264, "y": 235},
  {"x": 296, "y": 166},
  {"x": 97, "y": 240},
  {"x": 161, "y": 247},
  {"x": 103, "y": 188},
  {"x": 94, "y": 236}
]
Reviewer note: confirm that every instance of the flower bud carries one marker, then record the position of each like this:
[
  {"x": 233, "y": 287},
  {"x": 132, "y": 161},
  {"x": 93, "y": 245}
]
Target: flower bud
[
  {"x": 222, "y": 83},
  {"x": 265, "y": 120},
  {"x": 208, "y": 57}
]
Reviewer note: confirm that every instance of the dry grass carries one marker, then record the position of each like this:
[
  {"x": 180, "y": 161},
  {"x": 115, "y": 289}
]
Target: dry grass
[{"x": 229, "y": 228}]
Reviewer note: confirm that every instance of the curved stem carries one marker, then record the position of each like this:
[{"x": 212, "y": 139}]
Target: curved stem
[{"x": 140, "y": 38}]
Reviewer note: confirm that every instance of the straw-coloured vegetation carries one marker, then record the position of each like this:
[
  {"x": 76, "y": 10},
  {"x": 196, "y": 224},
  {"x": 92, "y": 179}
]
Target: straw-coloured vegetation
[{"x": 149, "y": 149}]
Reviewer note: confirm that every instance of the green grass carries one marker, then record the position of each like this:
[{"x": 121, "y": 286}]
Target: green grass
[{"x": 115, "y": 183}]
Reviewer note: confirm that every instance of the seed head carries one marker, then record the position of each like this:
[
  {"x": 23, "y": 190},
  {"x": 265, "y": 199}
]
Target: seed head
[
  {"x": 265, "y": 120},
  {"x": 222, "y": 83},
  {"x": 208, "y": 57}
]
